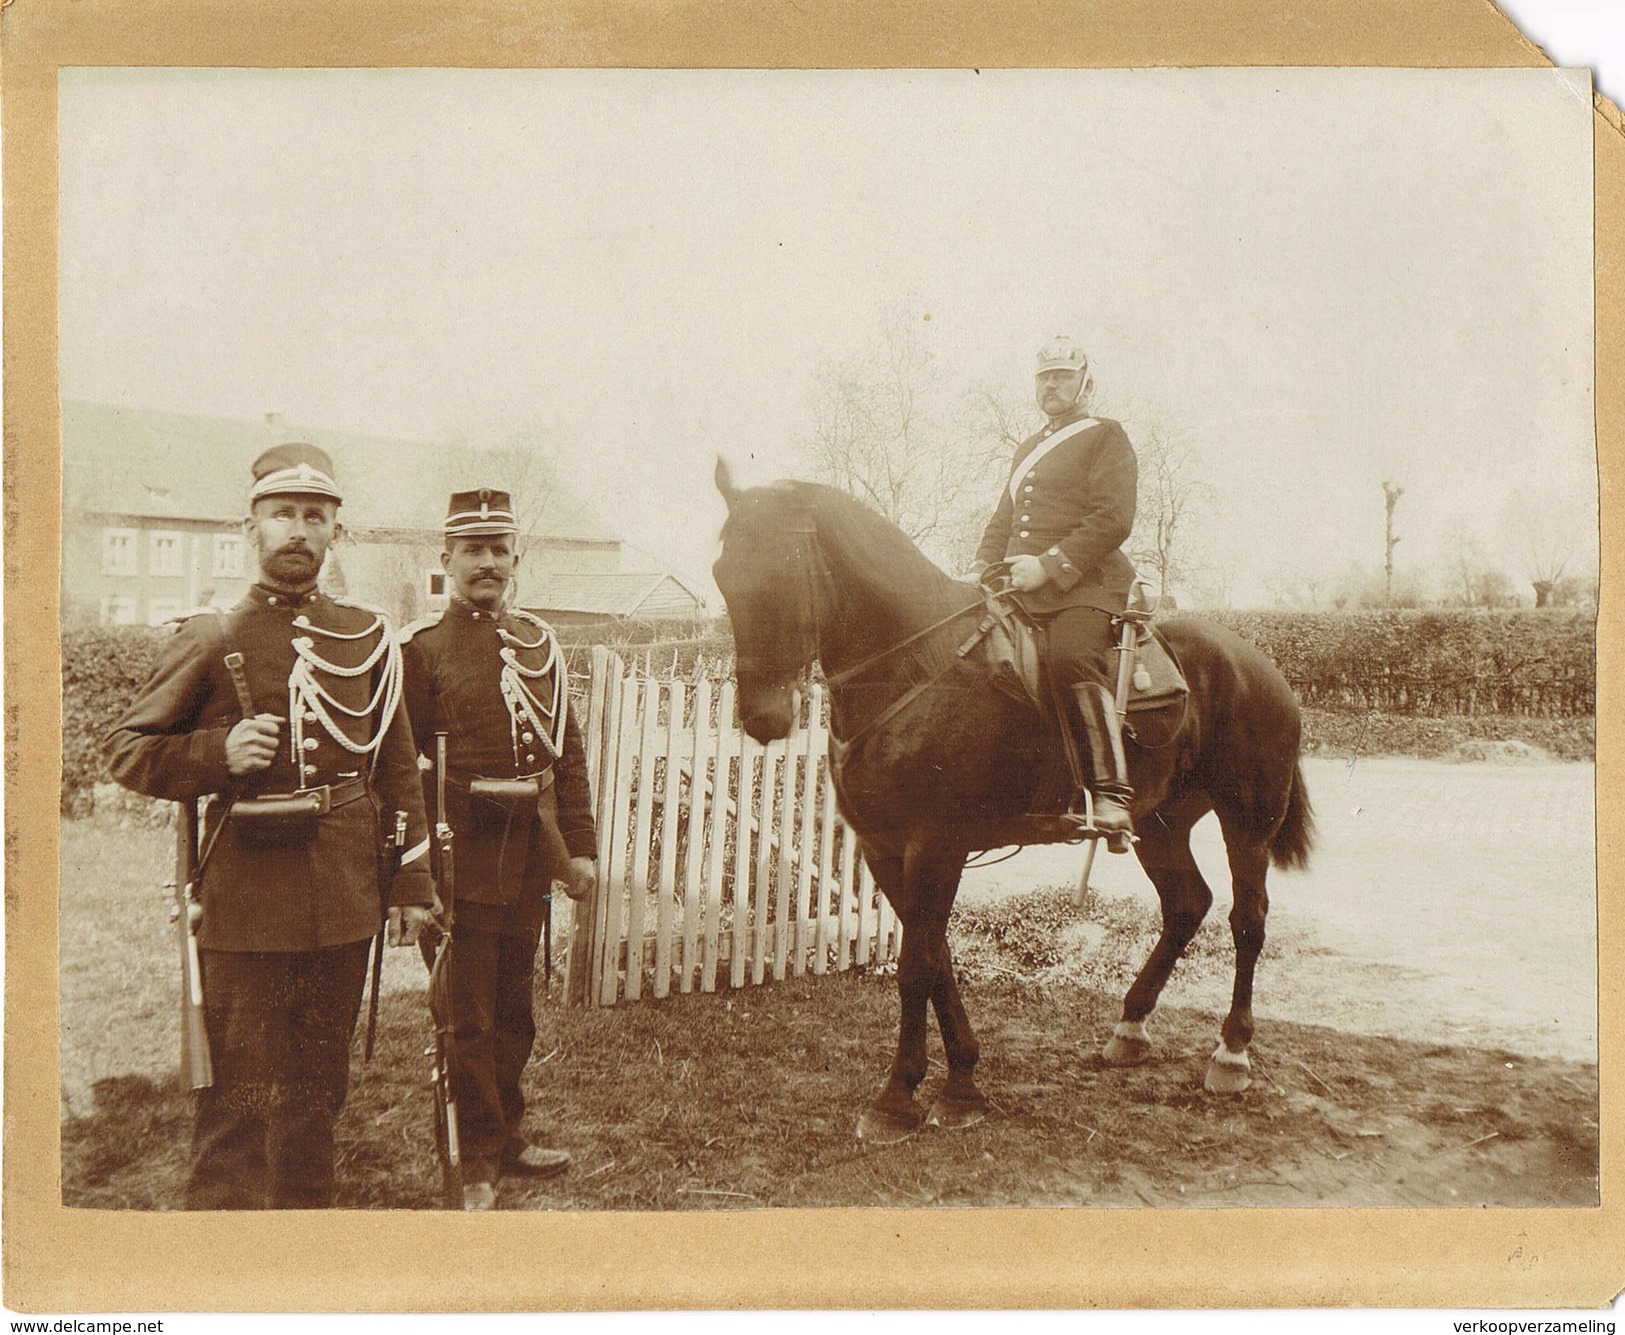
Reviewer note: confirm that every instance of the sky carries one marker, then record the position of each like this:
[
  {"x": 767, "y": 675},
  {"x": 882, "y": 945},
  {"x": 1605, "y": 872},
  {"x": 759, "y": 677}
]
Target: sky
[{"x": 1314, "y": 280}]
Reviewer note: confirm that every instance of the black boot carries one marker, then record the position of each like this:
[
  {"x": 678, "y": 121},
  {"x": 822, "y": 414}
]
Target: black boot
[{"x": 1102, "y": 741}]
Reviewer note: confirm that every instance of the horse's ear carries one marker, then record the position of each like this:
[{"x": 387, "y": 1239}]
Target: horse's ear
[{"x": 725, "y": 482}]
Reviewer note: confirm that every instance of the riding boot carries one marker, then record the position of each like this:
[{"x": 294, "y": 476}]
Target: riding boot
[{"x": 1102, "y": 741}]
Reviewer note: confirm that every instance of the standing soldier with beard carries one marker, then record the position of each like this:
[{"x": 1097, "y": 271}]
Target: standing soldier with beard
[
  {"x": 298, "y": 773},
  {"x": 492, "y": 679}
]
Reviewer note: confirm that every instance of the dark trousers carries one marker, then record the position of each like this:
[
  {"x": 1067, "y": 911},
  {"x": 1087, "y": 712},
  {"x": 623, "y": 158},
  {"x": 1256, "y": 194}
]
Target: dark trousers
[
  {"x": 492, "y": 986},
  {"x": 280, "y": 1025},
  {"x": 1078, "y": 645}
]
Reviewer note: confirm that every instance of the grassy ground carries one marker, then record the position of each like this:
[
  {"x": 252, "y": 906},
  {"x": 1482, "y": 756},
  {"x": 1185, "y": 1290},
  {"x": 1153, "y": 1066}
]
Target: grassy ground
[
  {"x": 1485, "y": 737},
  {"x": 749, "y": 1098}
]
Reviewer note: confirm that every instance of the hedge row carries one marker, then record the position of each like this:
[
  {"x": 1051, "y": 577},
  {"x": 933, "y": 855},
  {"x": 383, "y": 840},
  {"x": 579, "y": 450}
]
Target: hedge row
[
  {"x": 1429, "y": 663},
  {"x": 1456, "y": 662},
  {"x": 102, "y": 669}
]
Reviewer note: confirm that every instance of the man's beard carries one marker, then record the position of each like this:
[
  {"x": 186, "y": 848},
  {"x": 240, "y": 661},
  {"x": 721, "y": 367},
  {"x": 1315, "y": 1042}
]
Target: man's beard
[{"x": 294, "y": 567}]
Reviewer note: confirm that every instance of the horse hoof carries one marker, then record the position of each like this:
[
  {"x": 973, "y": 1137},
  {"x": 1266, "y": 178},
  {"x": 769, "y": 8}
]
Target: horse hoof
[
  {"x": 881, "y": 1127},
  {"x": 952, "y": 1114},
  {"x": 1128, "y": 1045},
  {"x": 1227, "y": 1072}
]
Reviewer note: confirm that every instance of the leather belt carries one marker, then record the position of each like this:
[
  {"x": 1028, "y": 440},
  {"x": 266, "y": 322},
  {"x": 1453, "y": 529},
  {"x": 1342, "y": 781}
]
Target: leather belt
[{"x": 306, "y": 802}]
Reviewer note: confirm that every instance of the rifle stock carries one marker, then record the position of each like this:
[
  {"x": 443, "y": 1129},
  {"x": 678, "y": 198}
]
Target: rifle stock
[
  {"x": 195, "y": 1059},
  {"x": 442, "y": 1058},
  {"x": 443, "y": 1055}
]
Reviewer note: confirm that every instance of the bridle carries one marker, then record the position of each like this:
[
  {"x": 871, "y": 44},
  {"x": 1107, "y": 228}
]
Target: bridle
[
  {"x": 816, "y": 581},
  {"x": 809, "y": 614}
]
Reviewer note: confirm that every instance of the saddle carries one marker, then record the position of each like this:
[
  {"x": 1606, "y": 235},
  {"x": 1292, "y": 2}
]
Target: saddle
[{"x": 1010, "y": 645}]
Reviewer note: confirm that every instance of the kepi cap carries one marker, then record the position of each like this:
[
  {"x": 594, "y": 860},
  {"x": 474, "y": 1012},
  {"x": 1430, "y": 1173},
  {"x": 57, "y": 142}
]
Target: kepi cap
[
  {"x": 479, "y": 513},
  {"x": 294, "y": 469}
]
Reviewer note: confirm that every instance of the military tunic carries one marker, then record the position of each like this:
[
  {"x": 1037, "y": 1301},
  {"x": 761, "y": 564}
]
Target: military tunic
[
  {"x": 1070, "y": 502},
  {"x": 495, "y": 684},
  {"x": 1072, "y": 506},
  {"x": 285, "y": 922}
]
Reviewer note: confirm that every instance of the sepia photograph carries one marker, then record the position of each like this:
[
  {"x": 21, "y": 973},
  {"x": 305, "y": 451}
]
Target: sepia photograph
[
  {"x": 607, "y": 613},
  {"x": 811, "y": 658}
]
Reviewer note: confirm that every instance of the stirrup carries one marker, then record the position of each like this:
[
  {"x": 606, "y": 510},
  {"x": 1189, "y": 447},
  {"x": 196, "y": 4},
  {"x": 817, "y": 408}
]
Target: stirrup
[{"x": 1117, "y": 841}]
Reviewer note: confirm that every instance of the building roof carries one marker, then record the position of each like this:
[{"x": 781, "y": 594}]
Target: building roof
[
  {"x": 148, "y": 463},
  {"x": 622, "y": 594}
]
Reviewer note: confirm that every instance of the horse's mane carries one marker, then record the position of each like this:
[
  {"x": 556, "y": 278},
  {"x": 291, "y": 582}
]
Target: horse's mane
[{"x": 868, "y": 543}]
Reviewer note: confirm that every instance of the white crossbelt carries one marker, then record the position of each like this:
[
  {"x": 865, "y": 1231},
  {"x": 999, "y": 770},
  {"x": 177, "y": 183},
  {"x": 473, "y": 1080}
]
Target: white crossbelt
[{"x": 1039, "y": 451}]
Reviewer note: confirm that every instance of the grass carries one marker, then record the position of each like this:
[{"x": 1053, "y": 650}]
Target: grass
[{"x": 749, "y": 1098}]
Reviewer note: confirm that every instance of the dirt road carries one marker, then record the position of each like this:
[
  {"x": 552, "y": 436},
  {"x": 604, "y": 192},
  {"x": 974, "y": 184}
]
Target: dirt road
[{"x": 1451, "y": 902}]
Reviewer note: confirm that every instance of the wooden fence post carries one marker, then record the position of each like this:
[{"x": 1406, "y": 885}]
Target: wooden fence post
[
  {"x": 716, "y": 826},
  {"x": 670, "y": 822},
  {"x": 693, "y": 879},
  {"x": 580, "y": 975}
]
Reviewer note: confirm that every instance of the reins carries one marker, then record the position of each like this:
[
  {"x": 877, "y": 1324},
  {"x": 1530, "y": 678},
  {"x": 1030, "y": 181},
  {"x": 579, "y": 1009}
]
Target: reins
[
  {"x": 848, "y": 674},
  {"x": 842, "y": 747}
]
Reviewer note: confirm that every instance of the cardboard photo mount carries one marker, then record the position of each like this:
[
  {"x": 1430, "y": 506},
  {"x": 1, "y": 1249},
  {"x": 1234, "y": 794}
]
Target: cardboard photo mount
[{"x": 87, "y": 1261}]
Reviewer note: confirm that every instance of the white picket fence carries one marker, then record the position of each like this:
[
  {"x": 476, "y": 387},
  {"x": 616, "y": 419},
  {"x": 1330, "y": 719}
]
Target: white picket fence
[{"x": 721, "y": 862}]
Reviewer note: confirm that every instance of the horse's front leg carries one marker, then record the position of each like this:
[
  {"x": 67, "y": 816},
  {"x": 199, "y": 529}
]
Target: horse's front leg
[
  {"x": 921, "y": 904},
  {"x": 961, "y": 1102}
]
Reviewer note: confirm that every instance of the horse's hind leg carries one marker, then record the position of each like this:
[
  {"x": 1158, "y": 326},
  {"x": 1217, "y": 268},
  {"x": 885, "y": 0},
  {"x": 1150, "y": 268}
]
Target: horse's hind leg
[
  {"x": 961, "y": 1103},
  {"x": 1228, "y": 1070},
  {"x": 1164, "y": 851}
]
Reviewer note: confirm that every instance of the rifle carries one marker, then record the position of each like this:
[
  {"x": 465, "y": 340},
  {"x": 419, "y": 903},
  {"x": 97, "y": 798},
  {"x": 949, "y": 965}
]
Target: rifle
[
  {"x": 195, "y": 1058},
  {"x": 443, "y": 1055},
  {"x": 187, "y": 912}
]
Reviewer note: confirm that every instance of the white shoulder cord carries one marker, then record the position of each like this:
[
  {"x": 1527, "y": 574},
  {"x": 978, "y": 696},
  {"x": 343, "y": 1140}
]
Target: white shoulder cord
[
  {"x": 517, "y": 694},
  {"x": 306, "y": 692}
]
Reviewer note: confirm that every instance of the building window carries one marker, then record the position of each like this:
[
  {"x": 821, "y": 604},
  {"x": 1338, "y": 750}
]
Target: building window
[
  {"x": 118, "y": 551},
  {"x": 160, "y": 610},
  {"x": 434, "y": 584},
  {"x": 164, "y": 556},
  {"x": 117, "y": 611},
  {"x": 228, "y": 556}
]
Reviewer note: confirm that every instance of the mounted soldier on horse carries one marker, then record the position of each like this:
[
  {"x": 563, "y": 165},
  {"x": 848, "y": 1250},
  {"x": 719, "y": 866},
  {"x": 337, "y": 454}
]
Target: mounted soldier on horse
[{"x": 935, "y": 758}]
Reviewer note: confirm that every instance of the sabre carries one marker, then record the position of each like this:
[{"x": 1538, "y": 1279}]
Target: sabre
[{"x": 1125, "y": 669}]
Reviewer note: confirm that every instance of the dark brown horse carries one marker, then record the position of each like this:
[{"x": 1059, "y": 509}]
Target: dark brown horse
[{"x": 931, "y": 763}]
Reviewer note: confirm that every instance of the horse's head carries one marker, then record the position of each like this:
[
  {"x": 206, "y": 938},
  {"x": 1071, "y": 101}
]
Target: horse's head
[{"x": 766, "y": 576}]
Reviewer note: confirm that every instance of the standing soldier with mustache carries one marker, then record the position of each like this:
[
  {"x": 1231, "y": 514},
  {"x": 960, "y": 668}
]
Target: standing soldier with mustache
[
  {"x": 301, "y": 747},
  {"x": 492, "y": 679}
]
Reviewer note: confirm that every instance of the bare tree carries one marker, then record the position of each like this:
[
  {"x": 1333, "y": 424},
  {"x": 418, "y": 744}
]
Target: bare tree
[
  {"x": 1548, "y": 533},
  {"x": 1549, "y": 548},
  {"x": 1391, "y": 492},
  {"x": 998, "y": 421},
  {"x": 883, "y": 427},
  {"x": 1296, "y": 587},
  {"x": 1472, "y": 578},
  {"x": 1171, "y": 497}
]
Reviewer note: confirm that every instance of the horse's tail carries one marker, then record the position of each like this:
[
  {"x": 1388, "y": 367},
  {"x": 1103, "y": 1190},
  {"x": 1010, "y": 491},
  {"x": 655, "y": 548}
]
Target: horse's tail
[{"x": 1293, "y": 841}]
